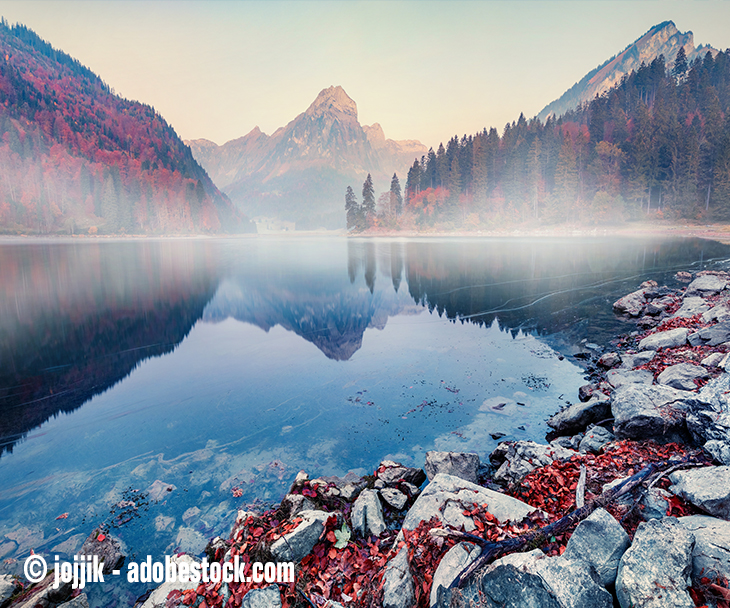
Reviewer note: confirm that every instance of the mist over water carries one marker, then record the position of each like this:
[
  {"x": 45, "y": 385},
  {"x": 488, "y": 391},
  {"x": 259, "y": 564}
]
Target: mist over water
[{"x": 223, "y": 367}]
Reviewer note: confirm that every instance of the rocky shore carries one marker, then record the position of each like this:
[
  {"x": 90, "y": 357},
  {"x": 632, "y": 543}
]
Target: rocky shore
[{"x": 626, "y": 504}]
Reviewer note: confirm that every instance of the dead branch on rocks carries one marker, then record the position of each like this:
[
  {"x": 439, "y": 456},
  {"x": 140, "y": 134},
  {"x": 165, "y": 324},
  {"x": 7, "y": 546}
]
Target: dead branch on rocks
[{"x": 538, "y": 537}]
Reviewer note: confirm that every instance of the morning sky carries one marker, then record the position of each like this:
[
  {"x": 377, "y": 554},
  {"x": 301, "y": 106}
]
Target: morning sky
[{"x": 424, "y": 70}]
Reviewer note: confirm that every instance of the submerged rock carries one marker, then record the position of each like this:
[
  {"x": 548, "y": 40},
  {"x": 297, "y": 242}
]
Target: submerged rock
[
  {"x": 459, "y": 464},
  {"x": 654, "y": 571}
]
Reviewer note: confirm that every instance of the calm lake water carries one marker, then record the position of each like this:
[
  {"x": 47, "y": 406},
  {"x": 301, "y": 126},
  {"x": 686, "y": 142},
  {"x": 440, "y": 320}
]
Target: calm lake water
[{"x": 223, "y": 367}]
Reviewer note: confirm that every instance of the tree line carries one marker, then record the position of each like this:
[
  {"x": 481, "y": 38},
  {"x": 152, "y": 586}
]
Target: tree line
[
  {"x": 367, "y": 214},
  {"x": 657, "y": 145}
]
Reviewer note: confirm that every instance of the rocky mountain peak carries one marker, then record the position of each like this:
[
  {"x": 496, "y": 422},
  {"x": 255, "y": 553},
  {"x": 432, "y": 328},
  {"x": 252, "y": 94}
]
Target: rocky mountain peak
[{"x": 333, "y": 100}]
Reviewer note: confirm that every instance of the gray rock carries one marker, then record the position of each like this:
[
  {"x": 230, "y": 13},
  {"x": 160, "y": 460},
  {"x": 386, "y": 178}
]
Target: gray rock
[
  {"x": 390, "y": 473},
  {"x": 655, "y": 503},
  {"x": 8, "y": 586},
  {"x": 295, "y": 545},
  {"x": 109, "y": 551},
  {"x": 684, "y": 276},
  {"x": 297, "y": 503},
  {"x": 708, "y": 418},
  {"x": 594, "y": 439},
  {"x": 158, "y": 598},
  {"x": 714, "y": 335},
  {"x": 713, "y": 360},
  {"x": 711, "y": 555},
  {"x": 708, "y": 284},
  {"x": 610, "y": 360},
  {"x": 665, "y": 339},
  {"x": 619, "y": 377},
  {"x": 367, "y": 514},
  {"x": 682, "y": 376},
  {"x": 526, "y": 456},
  {"x": 719, "y": 450},
  {"x": 691, "y": 306},
  {"x": 80, "y": 601},
  {"x": 398, "y": 587},
  {"x": 720, "y": 312},
  {"x": 658, "y": 306},
  {"x": 569, "y": 443},
  {"x": 601, "y": 541},
  {"x": 456, "y": 559},
  {"x": 586, "y": 391},
  {"x": 346, "y": 487},
  {"x": 631, "y": 304},
  {"x": 707, "y": 488},
  {"x": 630, "y": 361},
  {"x": 573, "y": 582},
  {"x": 266, "y": 597},
  {"x": 394, "y": 498},
  {"x": 578, "y": 415},
  {"x": 642, "y": 412},
  {"x": 655, "y": 571},
  {"x": 446, "y": 497},
  {"x": 499, "y": 454},
  {"x": 458, "y": 464}
]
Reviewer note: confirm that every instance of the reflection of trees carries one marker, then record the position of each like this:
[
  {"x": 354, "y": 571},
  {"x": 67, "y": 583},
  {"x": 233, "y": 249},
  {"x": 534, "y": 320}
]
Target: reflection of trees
[{"x": 78, "y": 319}]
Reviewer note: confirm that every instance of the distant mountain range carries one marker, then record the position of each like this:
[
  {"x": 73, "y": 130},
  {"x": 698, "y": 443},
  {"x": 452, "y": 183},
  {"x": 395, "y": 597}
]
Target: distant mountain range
[
  {"x": 76, "y": 158},
  {"x": 663, "y": 39},
  {"x": 301, "y": 171}
]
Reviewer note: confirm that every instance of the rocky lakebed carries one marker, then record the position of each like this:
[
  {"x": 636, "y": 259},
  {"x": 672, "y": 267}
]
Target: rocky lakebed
[{"x": 627, "y": 503}]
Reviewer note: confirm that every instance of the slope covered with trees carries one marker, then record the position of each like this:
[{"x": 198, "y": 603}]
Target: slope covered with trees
[
  {"x": 75, "y": 157},
  {"x": 656, "y": 145}
]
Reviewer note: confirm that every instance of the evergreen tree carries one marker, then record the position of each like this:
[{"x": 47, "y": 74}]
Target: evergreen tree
[
  {"x": 368, "y": 201},
  {"x": 396, "y": 198},
  {"x": 352, "y": 209},
  {"x": 680, "y": 64}
]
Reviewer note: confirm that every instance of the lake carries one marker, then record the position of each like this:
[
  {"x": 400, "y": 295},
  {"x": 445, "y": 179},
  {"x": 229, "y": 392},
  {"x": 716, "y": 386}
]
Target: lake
[{"x": 219, "y": 368}]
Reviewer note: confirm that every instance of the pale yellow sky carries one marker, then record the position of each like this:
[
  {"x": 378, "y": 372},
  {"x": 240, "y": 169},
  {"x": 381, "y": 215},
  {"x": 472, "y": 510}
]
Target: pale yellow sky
[{"x": 423, "y": 70}]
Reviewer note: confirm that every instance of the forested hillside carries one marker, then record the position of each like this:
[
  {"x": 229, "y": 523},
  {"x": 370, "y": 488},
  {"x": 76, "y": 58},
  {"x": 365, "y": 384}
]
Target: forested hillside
[
  {"x": 77, "y": 158},
  {"x": 656, "y": 145}
]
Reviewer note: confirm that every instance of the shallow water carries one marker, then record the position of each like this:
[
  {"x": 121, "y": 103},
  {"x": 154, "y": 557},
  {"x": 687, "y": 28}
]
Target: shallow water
[{"x": 223, "y": 367}]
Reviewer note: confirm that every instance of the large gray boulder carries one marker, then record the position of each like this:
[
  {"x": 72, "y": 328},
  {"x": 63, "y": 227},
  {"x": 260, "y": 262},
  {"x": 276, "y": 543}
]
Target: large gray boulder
[
  {"x": 711, "y": 555},
  {"x": 631, "y": 304},
  {"x": 459, "y": 464},
  {"x": 601, "y": 541},
  {"x": 655, "y": 571},
  {"x": 577, "y": 416},
  {"x": 367, "y": 514},
  {"x": 714, "y": 335},
  {"x": 709, "y": 284},
  {"x": 398, "y": 587},
  {"x": 707, "y": 488},
  {"x": 665, "y": 339},
  {"x": 395, "y": 499},
  {"x": 267, "y": 597},
  {"x": 719, "y": 450},
  {"x": 720, "y": 312},
  {"x": 682, "y": 376},
  {"x": 158, "y": 598},
  {"x": 525, "y": 456},
  {"x": 619, "y": 377},
  {"x": 643, "y": 412},
  {"x": 295, "y": 545},
  {"x": 691, "y": 306},
  {"x": 630, "y": 361},
  {"x": 452, "y": 563},
  {"x": 708, "y": 419},
  {"x": 447, "y": 497}
]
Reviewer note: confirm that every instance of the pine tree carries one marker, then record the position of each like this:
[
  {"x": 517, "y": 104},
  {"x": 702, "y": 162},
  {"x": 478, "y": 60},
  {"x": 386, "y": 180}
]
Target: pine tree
[
  {"x": 680, "y": 64},
  {"x": 352, "y": 209},
  {"x": 396, "y": 199},
  {"x": 368, "y": 201}
]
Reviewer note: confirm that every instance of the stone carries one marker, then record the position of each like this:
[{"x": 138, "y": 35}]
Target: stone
[
  {"x": 708, "y": 284},
  {"x": 601, "y": 541},
  {"x": 367, "y": 514},
  {"x": 683, "y": 276},
  {"x": 296, "y": 503},
  {"x": 191, "y": 514},
  {"x": 159, "y": 490},
  {"x": 447, "y": 497},
  {"x": 499, "y": 454},
  {"x": 711, "y": 555},
  {"x": 610, "y": 360},
  {"x": 390, "y": 473},
  {"x": 707, "y": 488},
  {"x": 714, "y": 335},
  {"x": 8, "y": 586},
  {"x": 456, "y": 559},
  {"x": 655, "y": 571},
  {"x": 631, "y": 304},
  {"x": 643, "y": 412},
  {"x": 713, "y": 360},
  {"x": 109, "y": 551},
  {"x": 594, "y": 439},
  {"x": 398, "y": 587},
  {"x": 682, "y": 376},
  {"x": 394, "y": 498},
  {"x": 346, "y": 487},
  {"x": 619, "y": 377},
  {"x": 655, "y": 503},
  {"x": 158, "y": 598},
  {"x": 630, "y": 361},
  {"x": 720, "y": 312},
  {"x": 658, "y": 306},
  {"x": 577, "y": 416},
  {"x": 80, "y": 601},
  {"x": 266, "y": 597},
  {"x": 525, "y": 456},
  {"x": 569, "y": 443},
  {"x": 719, "y": 450},
  {"x": 189, "y": 540},
  {"x": 458, "y": 464},
  {"x": 665, "y": 339},
  {"x": 691, "y": 306},
  {"x": 585, "y": 391},
  {"x": 295, "y": 545}
]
